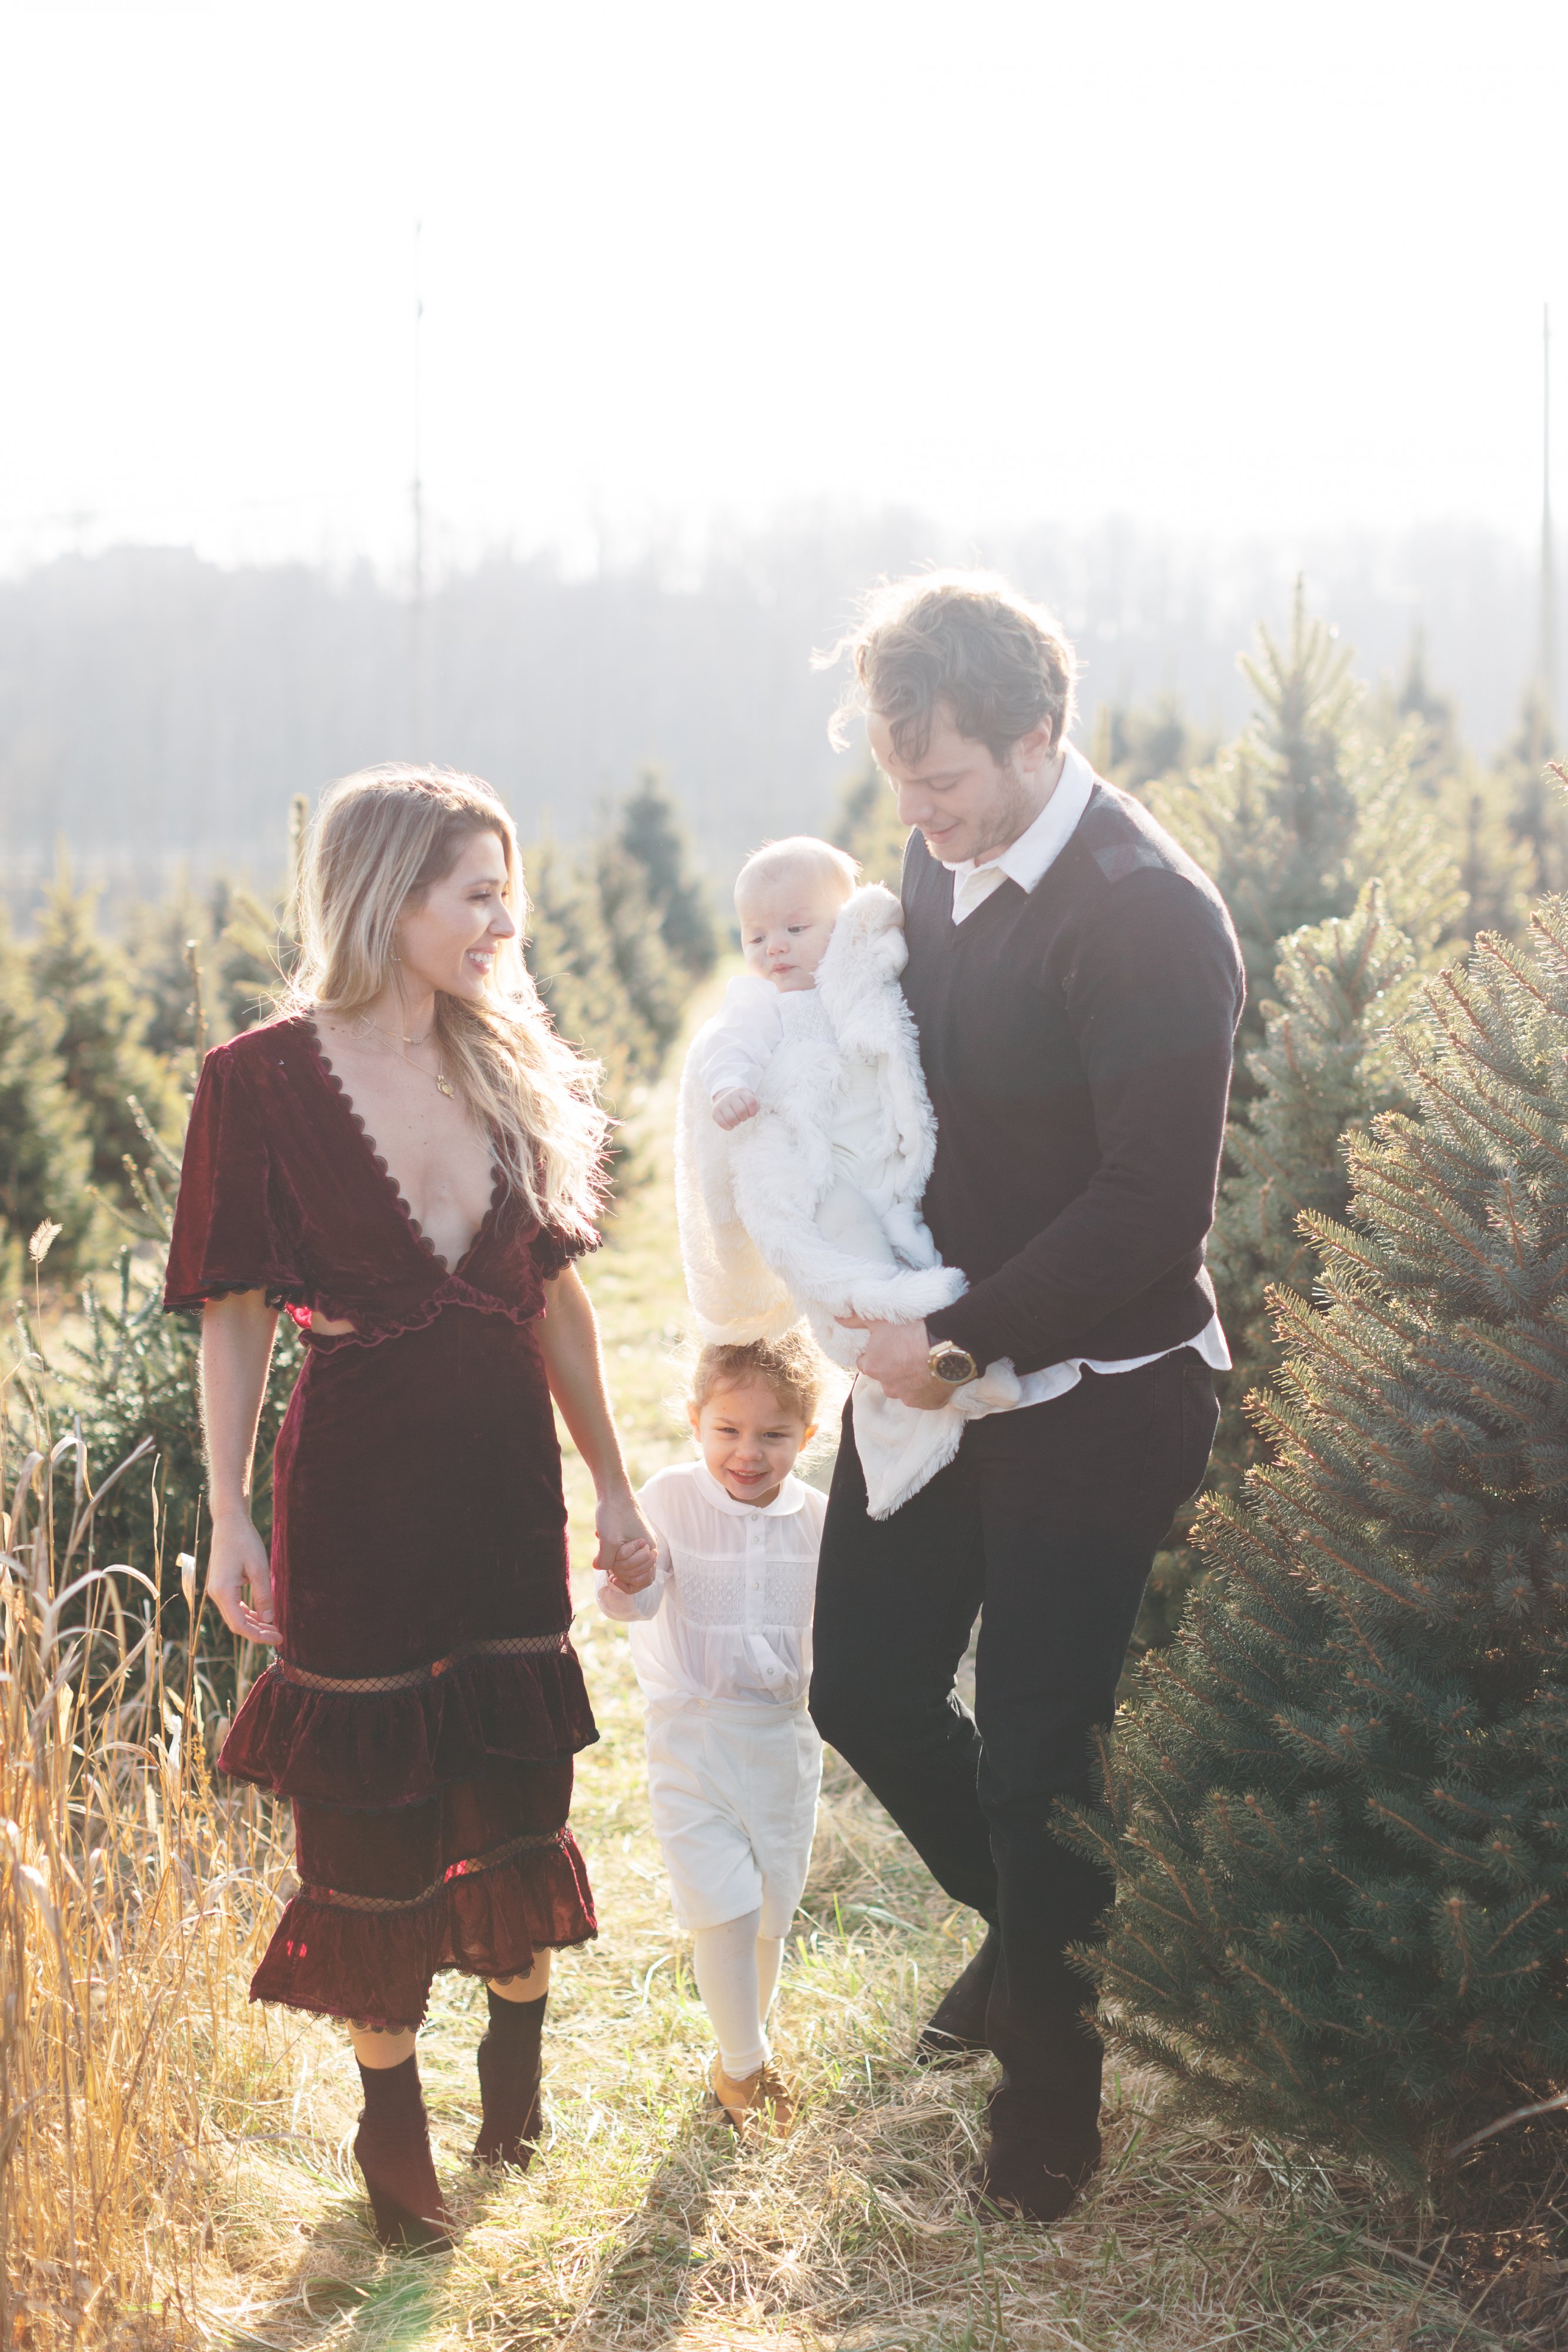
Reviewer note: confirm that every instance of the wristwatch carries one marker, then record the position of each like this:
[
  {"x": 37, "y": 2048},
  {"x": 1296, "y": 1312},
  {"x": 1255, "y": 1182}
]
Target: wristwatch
[{"x": 951, "y": 1363}]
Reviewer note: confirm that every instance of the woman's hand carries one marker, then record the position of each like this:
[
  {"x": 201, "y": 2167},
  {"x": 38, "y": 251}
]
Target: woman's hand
[
  {"x": 237, "y": 1563},
  {"x": 628, "y": 1550}
]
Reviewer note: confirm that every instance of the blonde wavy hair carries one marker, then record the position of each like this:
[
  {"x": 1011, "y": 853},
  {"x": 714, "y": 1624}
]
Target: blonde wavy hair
[{"x": 379, "y": 841}]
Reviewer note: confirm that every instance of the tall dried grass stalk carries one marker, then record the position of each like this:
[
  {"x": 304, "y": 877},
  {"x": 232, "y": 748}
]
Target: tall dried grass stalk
[{"x": 133, "y": 1899}]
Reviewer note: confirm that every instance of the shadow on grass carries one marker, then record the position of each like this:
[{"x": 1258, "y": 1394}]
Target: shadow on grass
[
  {"x": 397, "y": 2307},
  {"x": 645, "y": 2292},
  {"x": 345, "y": 2289}
]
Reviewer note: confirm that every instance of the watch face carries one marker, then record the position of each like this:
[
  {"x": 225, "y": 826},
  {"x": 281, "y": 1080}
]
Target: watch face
[{"x": 953, "y": 1364}]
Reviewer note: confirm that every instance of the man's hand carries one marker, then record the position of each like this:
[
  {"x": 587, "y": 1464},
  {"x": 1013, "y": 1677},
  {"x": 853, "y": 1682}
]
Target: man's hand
[
  {"x": 895, "y": 1356},
  {"x": 628, "y": 1550},
  {"x": 237, "y": 1563},
  {"x": 735, "y": 1104}
]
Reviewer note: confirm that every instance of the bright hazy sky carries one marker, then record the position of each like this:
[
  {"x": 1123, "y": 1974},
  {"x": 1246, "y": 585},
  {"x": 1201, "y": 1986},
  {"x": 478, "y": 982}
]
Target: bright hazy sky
[{"x": 1225, "y": 268}]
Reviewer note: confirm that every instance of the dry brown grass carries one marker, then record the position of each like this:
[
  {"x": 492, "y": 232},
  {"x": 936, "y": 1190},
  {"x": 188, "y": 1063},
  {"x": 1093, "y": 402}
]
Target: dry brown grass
[
  {"x": 133, "y": 1899},
  {"x": 206, "y": 2192}
]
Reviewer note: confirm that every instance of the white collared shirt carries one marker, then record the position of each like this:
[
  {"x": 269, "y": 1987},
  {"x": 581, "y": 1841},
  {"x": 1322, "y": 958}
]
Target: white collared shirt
[
  {"x": 726, "y": 1620},
  {"x": 1027, "y": 861},
  {"x": 1030, "y": 857}
]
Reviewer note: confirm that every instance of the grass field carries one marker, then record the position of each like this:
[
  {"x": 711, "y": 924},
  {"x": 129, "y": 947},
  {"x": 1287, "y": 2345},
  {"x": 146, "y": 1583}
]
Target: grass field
[{"x": 642, "y": 2224}]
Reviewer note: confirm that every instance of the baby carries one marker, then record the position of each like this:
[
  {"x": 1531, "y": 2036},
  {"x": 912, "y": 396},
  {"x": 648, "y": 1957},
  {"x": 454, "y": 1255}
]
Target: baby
[
  {"x": 805, "y": 1142},
  {"x": 789, "y": 898}
]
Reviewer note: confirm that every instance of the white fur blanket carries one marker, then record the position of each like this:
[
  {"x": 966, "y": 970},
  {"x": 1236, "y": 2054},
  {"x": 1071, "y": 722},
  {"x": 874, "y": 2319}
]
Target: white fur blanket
[{"x": 753, "y": 1254}]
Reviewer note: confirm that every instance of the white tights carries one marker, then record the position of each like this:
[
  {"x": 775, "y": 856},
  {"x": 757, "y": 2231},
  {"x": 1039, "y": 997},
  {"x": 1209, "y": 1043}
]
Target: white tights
[{"x": 738, "y": 1974}]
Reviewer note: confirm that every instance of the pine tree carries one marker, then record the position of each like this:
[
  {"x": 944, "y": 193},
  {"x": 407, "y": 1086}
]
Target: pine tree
[
  {"x": 651, "y": 833},
  {"x": 867, "y": 825},
  {"x": 1438, "y": 752},
  {"x": 1323, "y": 1072},
  {"x": 1497, "y": 871},
  {"x": 1291, "y": 820},
  {"x": 160, "y": 942},
  {"x": 1136, "y": 745},
  {"x": 1339, "y": 1802},
  {"x": 134, "y": 1373},
  {"x": 572, "y": 959},
  {"x": 654, "y": 985},
  {"x": 44, "y": 1153},
  {"x": 100, "y": 1050},
  {"x": 1530, "y": 790}
]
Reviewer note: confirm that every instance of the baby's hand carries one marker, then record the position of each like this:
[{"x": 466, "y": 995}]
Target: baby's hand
[
  {"x": 631, "y": 1569},
  {"x": 734, "y": 1104}
]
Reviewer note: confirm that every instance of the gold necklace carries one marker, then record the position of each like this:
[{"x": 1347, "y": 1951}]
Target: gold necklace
[{"x": 440, "y": 1081}]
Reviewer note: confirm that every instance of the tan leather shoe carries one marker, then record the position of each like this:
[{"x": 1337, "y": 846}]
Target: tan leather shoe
[{"x": 763, "y": 2100}]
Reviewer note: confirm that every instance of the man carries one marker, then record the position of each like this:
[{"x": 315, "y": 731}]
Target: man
[{"x": 1077, "y": 984}]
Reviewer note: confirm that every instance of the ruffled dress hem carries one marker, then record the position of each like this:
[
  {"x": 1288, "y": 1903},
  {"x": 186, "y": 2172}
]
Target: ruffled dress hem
[
  {"x": 388, "y": 1740},
  {"x": 370, "y": 1960}
]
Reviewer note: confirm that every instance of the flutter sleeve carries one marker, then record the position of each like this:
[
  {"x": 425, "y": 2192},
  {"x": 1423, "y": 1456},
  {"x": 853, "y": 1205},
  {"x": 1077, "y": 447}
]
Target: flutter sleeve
[
  {"x": 554, "y": 1252},
  {"x": 226, "y": 1232}
]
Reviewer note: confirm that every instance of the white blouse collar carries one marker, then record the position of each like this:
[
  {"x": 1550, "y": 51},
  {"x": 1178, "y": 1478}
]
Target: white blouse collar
[{"x": 791, "y": 1497}]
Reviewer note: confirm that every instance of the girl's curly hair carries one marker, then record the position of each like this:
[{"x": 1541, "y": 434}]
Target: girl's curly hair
[{"x": 790, "y": 1366}]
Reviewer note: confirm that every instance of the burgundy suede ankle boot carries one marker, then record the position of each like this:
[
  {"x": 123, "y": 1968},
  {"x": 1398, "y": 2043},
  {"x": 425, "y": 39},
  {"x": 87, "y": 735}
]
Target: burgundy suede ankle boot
[
  {"x": 510, "y": 2082},
  {"x": 391, "y": 2148}
]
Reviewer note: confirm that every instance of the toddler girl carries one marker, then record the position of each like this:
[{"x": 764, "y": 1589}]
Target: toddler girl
[{"x": 721, "y": 1640}]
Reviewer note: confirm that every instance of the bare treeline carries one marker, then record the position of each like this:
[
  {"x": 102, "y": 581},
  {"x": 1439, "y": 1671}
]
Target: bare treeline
[{"x": 156, "y": 709}]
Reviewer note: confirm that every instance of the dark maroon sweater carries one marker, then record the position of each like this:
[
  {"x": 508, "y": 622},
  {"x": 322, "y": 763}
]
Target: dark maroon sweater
[{"x": 1077, "y": 1041}]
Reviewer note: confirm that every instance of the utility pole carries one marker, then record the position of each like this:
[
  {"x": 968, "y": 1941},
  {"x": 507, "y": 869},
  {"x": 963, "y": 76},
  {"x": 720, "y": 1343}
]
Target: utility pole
[
  {"x": 1548, "y": 552},
  {"x": 416, "y": 614}
]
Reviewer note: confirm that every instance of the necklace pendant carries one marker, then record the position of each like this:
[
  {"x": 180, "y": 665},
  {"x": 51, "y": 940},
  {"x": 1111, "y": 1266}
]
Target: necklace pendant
[{"x": 445, "y": 1083}]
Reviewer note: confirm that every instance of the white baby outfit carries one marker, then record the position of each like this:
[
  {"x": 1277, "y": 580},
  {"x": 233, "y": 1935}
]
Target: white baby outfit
[
  {"x": 813, "y": 1205},
  {"x": 721, "y": 1640}
]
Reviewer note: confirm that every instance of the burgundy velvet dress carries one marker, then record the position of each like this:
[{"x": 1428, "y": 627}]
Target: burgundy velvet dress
[{"x": 425, "y": 1703}]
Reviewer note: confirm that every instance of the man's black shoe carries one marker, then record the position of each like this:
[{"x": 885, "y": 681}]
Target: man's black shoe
[
  {"x": 1030, "y": 2180},
  {"x": 958, "y": 2025}
]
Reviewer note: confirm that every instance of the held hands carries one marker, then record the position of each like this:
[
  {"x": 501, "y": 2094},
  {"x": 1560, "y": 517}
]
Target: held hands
[
  {"x": 628, "y": 1551},
  {"x": 237, "y": 1561},
  {"x": 895, "y": 1356},
  {"x": 735, "y": 1104}
]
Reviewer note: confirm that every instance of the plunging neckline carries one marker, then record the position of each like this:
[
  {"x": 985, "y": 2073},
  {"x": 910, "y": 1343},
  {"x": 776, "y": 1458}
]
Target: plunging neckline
[{"x": 378, "y": 1158}]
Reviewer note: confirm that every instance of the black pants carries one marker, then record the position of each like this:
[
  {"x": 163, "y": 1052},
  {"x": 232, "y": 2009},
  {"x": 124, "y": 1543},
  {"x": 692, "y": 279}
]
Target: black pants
[{"x": 1048, "y": 1520}]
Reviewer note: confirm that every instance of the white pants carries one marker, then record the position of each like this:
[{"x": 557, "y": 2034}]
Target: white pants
[{"x": 734, "y": 1799}]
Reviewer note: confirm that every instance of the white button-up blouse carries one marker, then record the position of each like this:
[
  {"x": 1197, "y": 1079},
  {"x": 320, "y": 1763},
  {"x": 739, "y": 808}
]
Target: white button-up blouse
[{"x": 727, "y": 1617}]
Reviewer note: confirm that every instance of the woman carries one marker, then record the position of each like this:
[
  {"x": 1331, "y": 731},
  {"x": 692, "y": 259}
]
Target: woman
[{"x": 408, "y": 1161}]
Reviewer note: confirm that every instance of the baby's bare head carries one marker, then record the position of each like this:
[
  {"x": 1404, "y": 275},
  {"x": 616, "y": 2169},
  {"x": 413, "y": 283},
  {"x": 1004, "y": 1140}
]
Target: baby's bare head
[{"x": 789, "y": 896}]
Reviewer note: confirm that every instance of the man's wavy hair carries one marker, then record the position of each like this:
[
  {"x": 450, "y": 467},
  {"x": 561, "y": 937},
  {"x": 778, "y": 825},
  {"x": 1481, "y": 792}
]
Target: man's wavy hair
[{"x": 963, "y": 639}]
